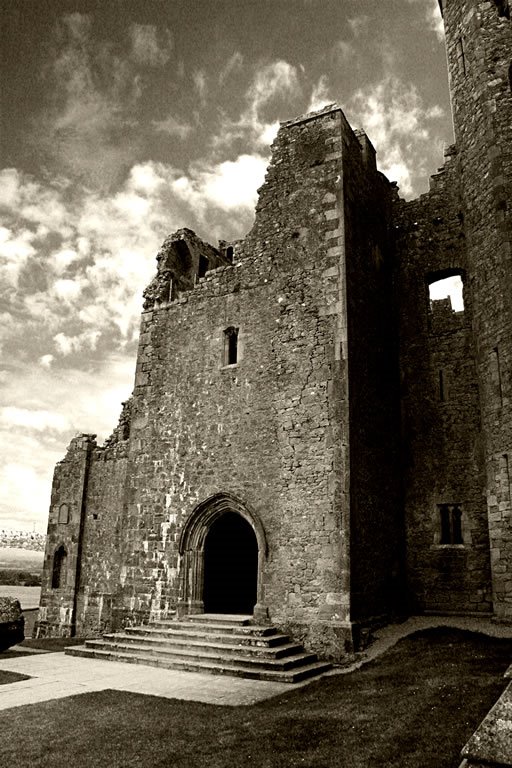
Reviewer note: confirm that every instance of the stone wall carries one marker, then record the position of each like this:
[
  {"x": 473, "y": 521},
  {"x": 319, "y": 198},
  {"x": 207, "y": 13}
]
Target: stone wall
[
  {"x": 271, "y": 430},
  {"x": 376, "y": 519},
  {"x": 265, "y": 429},
  {"x": 61, "y": 570},
  {"x": 479, "y": 45},
  {"x": 303, "y": 376},
  {"x": 442, "y": 452},
  {"x": 102, "y": 550}
]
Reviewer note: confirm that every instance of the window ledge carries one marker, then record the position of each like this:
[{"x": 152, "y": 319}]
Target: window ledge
[
  {"x": 229, "y": 367},
  {"x": 448, "y": 546}
]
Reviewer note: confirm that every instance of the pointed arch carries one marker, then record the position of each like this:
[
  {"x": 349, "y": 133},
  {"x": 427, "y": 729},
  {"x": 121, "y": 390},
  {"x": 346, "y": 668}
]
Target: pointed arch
[{"x": 192, "y": 543}]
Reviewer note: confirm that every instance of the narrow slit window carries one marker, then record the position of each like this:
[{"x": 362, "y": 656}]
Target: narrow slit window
[
  {"x": 229, "y": 253},
  {"x": 230, "y": 346},
  {"x": 444, "y": 515},
  {"x": 441, "y": 386},
  {"x": 59, "y": 568},
  {"x": 456, "y": 525},
  {"x": 461, "y": 58}
]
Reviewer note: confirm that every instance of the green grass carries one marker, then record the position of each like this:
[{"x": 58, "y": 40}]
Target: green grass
[
  {"x": 11, "y": 677},
  {"x": 415, "y": 706}
]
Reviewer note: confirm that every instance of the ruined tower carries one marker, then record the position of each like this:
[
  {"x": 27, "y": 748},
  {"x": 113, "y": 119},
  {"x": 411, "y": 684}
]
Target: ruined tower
[
  {"x": 479, "y": 48},
  {"x": 312, "y": 439}
]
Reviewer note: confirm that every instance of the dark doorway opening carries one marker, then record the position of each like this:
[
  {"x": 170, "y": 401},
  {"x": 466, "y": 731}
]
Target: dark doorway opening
[{"x": 230, "y": 566}]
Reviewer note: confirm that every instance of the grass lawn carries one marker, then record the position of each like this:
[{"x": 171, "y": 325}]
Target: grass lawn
[
  {"x": 415, "y": 706},
  {"x": 11, "y": 677}
]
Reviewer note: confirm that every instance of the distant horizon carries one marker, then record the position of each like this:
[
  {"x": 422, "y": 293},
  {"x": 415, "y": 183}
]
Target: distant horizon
[{"x": 6, "y": 532}]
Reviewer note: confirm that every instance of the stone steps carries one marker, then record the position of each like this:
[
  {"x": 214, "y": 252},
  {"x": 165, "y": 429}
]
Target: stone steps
[
  {"x": 168, "y": 644},
  {"x": 208, "y": 643},
  {"x": 191, "y": 636}
]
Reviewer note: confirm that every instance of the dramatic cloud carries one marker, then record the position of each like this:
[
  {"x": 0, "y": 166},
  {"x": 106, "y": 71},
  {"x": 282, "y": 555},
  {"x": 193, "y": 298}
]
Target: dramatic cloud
[
  {"x": 130, "y": 133},
  {"x": 173, "y": 127},
  {"x": 272, "y": 87},
  {"x": 88, "y": 131},
  {"x": 33, "y": 419},
  {"x": 320, "y": 96},
  {"x": 432, "y": 16},
  {"x": 233, "y": 64},
  {"x": 394, "y": 117},
  {"x": 200, "y": 85},
  {"x": 277, "y": 80},
  {"x": 343, "y": 53},
  {"x": 91, "y": 401},
  {"x": 149, "y": 45},
  {"x": 228, "y": 185}
]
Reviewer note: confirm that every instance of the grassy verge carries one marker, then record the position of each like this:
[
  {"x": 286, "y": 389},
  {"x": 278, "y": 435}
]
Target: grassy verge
[
  {"x": 11, "y": 677},
  {"x": 416, "y": 705}
]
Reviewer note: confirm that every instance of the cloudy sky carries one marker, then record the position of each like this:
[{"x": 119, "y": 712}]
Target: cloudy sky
[{"x": 122, "y": 121}]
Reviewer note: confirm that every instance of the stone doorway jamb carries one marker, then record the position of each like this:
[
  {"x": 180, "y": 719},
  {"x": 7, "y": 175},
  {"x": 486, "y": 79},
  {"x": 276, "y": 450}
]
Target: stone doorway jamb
[{"x": 191, "y": 550}]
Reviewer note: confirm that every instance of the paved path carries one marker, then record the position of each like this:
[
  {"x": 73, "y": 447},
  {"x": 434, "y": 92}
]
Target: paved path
[{"x": 55, "y": 675}]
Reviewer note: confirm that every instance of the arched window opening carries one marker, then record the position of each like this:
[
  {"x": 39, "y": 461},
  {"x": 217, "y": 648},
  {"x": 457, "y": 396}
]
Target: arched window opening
[
  {"x": 447, "y": 285},
  {"x": 229, "y": 253},
  {"x": 230, "y": 346},
  {"x": 59, "y": 568},
  {"x": 64, "y": 514}
]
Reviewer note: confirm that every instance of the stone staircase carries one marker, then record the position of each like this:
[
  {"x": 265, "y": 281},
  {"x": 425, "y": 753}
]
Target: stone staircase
[{"x": 219, "y": 644}]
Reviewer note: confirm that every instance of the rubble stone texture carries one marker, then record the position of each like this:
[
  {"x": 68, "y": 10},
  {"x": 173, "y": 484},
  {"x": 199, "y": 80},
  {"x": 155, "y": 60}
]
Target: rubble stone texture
[
  {"x": 12, "y": 623},
  {"x": 302, "y": 379}
]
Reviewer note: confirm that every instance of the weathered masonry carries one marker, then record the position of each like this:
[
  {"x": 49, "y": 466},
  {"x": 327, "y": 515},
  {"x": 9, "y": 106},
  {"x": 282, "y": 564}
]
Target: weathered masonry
[{"x": 311, "y": 439}]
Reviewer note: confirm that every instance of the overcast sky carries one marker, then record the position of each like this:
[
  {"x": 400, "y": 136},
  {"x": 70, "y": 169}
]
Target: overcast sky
[{"x": 123, "y": 121}]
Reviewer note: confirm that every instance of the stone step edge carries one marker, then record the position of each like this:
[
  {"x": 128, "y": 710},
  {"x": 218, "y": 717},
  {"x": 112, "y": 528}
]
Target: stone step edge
[
  {"x": 246, "y": 640},
  {"x": 288, "y": 676},
  {"x": 289, "y": 662},
  {"x": 255, "y": 629},
  {"x": 161, "y": 644},
  {"x": 242, "y": 619}
]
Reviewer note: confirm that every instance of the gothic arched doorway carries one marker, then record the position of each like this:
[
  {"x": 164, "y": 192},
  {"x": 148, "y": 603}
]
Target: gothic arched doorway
[
  {"x": 222, "y": 553},
  {"x": 230, "y": 566}
]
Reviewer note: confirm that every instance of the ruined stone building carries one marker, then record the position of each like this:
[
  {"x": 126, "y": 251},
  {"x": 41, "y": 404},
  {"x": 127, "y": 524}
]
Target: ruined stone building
[{"x": 311, "y": 439}]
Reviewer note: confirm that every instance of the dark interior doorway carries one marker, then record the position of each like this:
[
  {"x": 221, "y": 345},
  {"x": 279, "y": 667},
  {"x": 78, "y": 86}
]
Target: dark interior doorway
[{"x": 230, "y": 566}]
